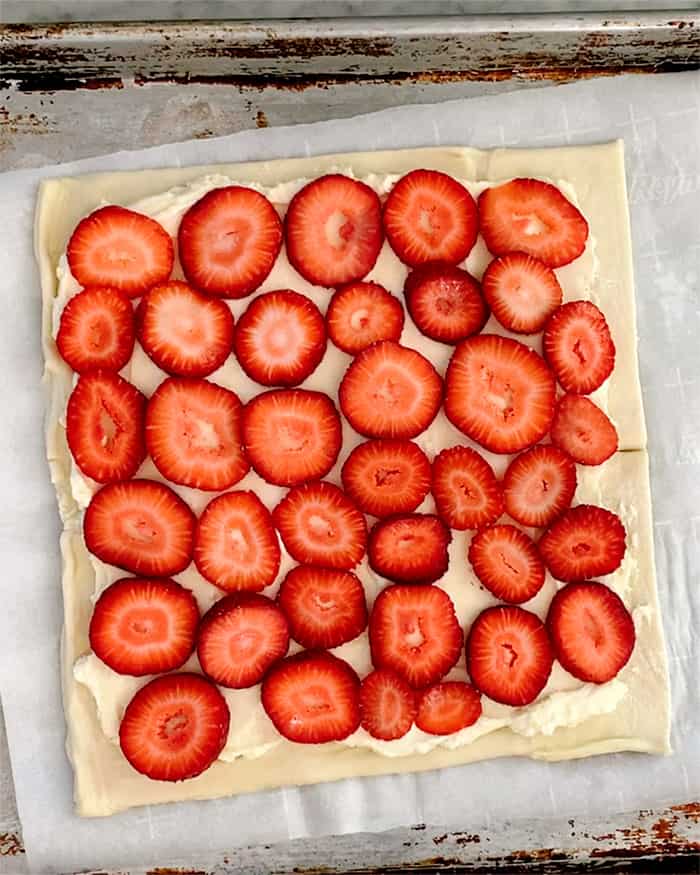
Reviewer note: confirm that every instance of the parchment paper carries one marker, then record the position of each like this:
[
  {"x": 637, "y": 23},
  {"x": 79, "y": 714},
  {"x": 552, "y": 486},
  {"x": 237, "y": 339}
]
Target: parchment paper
[{"x": 659, "y": 118}]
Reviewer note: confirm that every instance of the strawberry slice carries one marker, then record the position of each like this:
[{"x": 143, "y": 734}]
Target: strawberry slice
[
  {"x": 521, "y": 291},
  {"x": 413, "y": 630},
  {"x": 467, "y": 494},
  {"x": 141, "y": 526},
  {"x": 445, "y": 302},
  {"x": 174, "y": 727},
  {"x": 506, "y": 561},
  {"x": 578, "y": 347},
  {"x": 410, "y": 548},
  {"x": 448, "y": 707},
  {"x": 531, "y": 216},
  {"x": 280, "y": 339},
  {"x": 362, "y": 313},
  {"x": 585, "y": 542},
  {"x": 184, "y": 332},
  {"x": 386, "y": 476},
  {"x": 499, "y": 392},
  {"x": 321, "y": 526},
  {"x": 96, "y": 331},
  {"x": 104, "y": 426},
  {"x": 312, "y": 697},
  {"x": 291, "y": 435},
  {"x": 390, "y": 391},
  {"x": 387, "y": 705},
  {"x": 193, "y": 434},
  {"x": 591, "y": 630},
  {"x": 325, "y": 607},
  {"x": 509, "y": 656},
  {"x": 240, "y": 638},
  {"x": 228, "y": 241},
  {"x": 120, "y": 249},
  {"x": 144, "y": 625},
  {"x": 539, "y": 485},
  {"x": 429, "y": 216},
  {"x": 236, "y": 547},
  {"x": 583, "y": 431}
]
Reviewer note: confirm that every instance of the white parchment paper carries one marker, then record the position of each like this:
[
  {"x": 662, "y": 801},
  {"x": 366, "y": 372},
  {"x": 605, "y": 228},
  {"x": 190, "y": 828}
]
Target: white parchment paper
[{"x": 659, "y": 118}]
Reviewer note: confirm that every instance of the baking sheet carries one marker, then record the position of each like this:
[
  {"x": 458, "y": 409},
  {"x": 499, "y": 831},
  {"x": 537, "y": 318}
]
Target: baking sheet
[{"x": 659, "y": 117}]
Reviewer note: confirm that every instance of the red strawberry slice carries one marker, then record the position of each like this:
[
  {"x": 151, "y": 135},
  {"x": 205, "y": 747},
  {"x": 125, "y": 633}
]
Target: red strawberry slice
[
  {"x": 240, "y": 638},
  {"x": 585, "y": 542},
  {"x": 333, "y": 230},
  {"x": 448, "y": 707},
  {"x": 184, "y": 332},
  {"x": 228, "y": 241},
  {"x": 413, "y": 630},
  {"x": 578, "y": 347},
  {"x": 410, "y": 548},
  {"x": 96, "y": 331},
  {"x": 280, "y": 339},
  {"x": 141, "y": 526},
  {"x": 193, "y": 434},
  {"x": 386, "y": 476},
  {"x": 236, "y": 547},
  {"x": 521, "y": 291},
  {"x": 390, "y": 391},
  {"x": 325, "y": 607},
  {"x": 321, "y": 526},
  {"x": 104, "y": 426},
  {"x": 467, "y": 494},
  {"x": 429, "y": 216},
  {"x": 120, "y": 249},
  {"x": 445, "y": 302},
  {"x": 387, "y": 705},
  {"x": 591, "y": 630},
  {"x": 506, "y": 561},
  {"x": 499, "y": 392},
  {"x": 539, "y": 485},
  {"x": 583, "y": 431},
  {"x": 291, "y": 435},
  {"x": 360, "y": 314},
  {"x": 509, "y": 656},
  {"x": 143, "y": 625},
  {"x": 312, "y": 697},
  {"x": 528, "y": 215},
  {"x": 174, "y": 727}
]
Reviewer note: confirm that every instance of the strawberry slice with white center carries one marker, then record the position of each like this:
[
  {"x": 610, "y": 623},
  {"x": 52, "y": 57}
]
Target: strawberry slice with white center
[
  {"x": 97, "y": 331},
  {"x": 448, "y": 707},
  {"x": 445, "y": 302},
  {"x": 387, "y": 705},
  {"x": 193, "y": 434},
  {"x": 531, "y": 216},
  {"x": 333, "y": 230},
  {"x": 228, "y": 241},
  {"x": 539, "y": 485},
  {"x": 360, "y": 314},
  {"x": 467, "y": 494},
  {"x": 578, "y": 347},
  {"x": 410, "y": 548},
  {"x": 582, "y": 430},
  {"x": 506, "y": 561},
  {"x": 104, "y": 426},
  {"x": 499, "y": 392},
  {"x": 587, "y": 541},
  {"x": 429, "y": 216},
  {"x": 390, "y": 391},
  {"x": 143, "y": 625},
  {"x": 240, "y": 638},
  {"x": 521, "y": 291}
]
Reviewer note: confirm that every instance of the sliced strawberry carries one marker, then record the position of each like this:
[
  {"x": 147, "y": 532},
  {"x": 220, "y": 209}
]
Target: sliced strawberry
[
  {"x": 104, "y": 426},
  {"x": 499, "y": 392},
  {"x": 539, "y": 485},
  {"x": 144, "y": 625},
  {"x": 387, "y": 705},
  {"x": 467, "y": 494},
  {"x": 448, "y": 707},
  {"x": 445, "y": 302},
  {"x": 413, "y": 630},
  {"x": 585, "y": 542},
  {"x": 120, "y": 249},
  {"x": 390, "y": 391},
  {"x": 312, "y": 697},
  {"x": 291, "y": 435},
  {"x": 236, "y": 547},
  {"x": 429, "y": 216},
  {"x": 321, "y": 526},
  {"x": 240, "y": 637},
  {"x": 410, "y": 548},
  {"x": 506, "y": 561},
  {"x": 578, "y": 347},
  {"x": 528, "y": 215},
  {"x": 184, "y": 332},
  {"x": 174, "y": 727},
  {"x": 325, "y": 607},
  {"x": 591, "y": 630},
  {"x": 386, "y": 476},
  {"x": 509, "y": 656},
  {"x": 360, "y": 314},
  {"x": 521, "y": 291},
  {"x": 583, "y": 431},
  {"x": 97, "y": 331}
]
